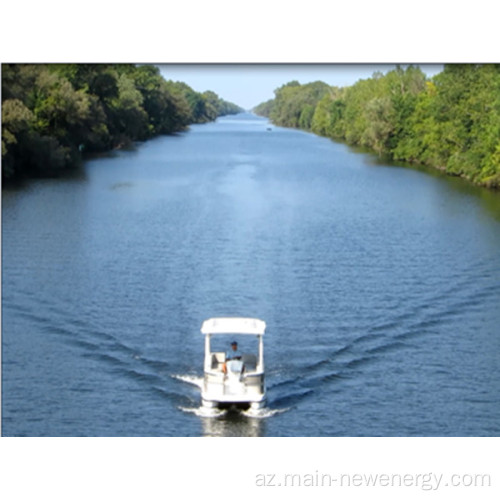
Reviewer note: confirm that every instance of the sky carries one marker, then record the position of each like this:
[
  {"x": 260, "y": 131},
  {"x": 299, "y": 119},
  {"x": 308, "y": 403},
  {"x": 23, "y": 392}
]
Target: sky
[{"x": 250, "y": 84}]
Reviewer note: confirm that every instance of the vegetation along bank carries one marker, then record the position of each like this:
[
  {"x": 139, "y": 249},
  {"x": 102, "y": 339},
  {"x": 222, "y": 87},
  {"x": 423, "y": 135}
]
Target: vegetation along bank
[
  {"x": 52, "y": 114},
  {"x": 450, "y": 122}
]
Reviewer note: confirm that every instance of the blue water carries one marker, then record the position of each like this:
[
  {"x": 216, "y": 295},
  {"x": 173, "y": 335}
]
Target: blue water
[{"x": 380, "y": 287}]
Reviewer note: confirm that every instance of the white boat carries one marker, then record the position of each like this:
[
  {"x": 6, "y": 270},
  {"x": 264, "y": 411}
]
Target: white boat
[{"x": 233, "y": 381}]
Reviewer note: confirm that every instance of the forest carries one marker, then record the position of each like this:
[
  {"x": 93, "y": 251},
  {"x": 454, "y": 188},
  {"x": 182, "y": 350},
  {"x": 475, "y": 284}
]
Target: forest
[
  {"x": 55, "y": 114},
  {"x": 450, "y": 122}
]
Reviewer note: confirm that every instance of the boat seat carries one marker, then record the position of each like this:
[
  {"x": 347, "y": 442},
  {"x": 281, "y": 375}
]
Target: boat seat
[
  {"x": 250, "y": 361},
  {"x": 218, "y": 359},
  {"x": 234, "y": 369}
]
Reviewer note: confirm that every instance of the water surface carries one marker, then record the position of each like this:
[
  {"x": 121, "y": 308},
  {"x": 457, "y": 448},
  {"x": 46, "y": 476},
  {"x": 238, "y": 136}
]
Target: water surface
[{"x": 380, "y": 287}]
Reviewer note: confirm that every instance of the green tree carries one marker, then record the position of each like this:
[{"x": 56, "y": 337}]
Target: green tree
[
  {"x": 451, "y": 122},
  {"x": 130, "y": 120},
  {"x": 194, "y": 100},
  {"x": 456, "y": 123},
  {"x": 167, "y": 112},
  {"x": 60, "y": 110},
  {"x": 379, "y": 113},
  {"x": 265, "y": 108},
  {"x": 16, "y": 123},
  {"x": 294, "y": 104}
]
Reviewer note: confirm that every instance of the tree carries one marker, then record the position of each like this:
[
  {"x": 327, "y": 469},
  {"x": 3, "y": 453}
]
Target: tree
[
  {"x": 451, "y": 122},
  {"x": 265, "y": 108},
  {"x": 16, "y": 122},
  {"x": 60, "y": 110},
  {"x": 130, "y": 120},
  {"x": 294, "y": 103},
  {"x": 54, "y": 112},
  {"x": 379, "y": 113}
]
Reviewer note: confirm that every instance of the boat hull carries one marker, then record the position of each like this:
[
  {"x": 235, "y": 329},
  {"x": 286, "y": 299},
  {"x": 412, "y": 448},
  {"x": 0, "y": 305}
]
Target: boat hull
[{"x": 221, "y": 391}]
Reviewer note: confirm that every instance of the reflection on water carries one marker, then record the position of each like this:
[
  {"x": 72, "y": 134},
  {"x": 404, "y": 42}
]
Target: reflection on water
[
  {"x": 232, "y": 424},
  {"x": 229, "y": 422},
  {"x": 490, "y": 198}
]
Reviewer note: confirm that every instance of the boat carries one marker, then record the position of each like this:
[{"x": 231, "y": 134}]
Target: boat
[{"x": 233, "y": 381}]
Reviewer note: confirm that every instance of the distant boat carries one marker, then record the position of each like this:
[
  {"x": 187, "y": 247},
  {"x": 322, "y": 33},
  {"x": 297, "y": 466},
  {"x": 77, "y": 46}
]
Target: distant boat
[{"x": 269, "y": 128}]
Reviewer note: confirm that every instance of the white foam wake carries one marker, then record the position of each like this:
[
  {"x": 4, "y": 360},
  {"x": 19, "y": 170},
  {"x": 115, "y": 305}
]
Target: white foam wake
[
  {"x": 203, "y": 411},
  {"x": 190, "y": 379},
  {"x": 208, "y": 412},
  {"x": 263, "y": 412}
]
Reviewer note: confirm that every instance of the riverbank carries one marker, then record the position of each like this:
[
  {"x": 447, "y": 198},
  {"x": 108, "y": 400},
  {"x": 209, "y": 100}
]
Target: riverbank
[
  {"x": 53, "y": 115},
  {"x": 450, "y": 122}
]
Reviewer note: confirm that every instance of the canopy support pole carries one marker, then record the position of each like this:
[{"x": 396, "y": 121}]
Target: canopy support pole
[
  {"x": 208, "y": 361},
  {"x": 260, "y": 366}
]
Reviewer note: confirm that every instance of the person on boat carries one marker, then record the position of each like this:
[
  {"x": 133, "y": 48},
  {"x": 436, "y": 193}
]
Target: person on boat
[{"x": 232, "y": 354}]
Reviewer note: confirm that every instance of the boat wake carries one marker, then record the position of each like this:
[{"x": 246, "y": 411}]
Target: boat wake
[
  {"x": 190, "y": 379},
  {"x": 263, "y": 412},
  {"x": 203, "y": 411}
]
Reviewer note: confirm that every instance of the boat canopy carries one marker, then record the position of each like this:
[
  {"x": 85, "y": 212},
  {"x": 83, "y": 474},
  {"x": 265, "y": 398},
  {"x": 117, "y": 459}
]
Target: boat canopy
[{"x": 251, "y": 326}]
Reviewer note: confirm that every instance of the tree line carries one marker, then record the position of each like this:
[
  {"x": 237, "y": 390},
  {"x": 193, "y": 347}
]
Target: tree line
[
  {"x": 450, "y": 122},
  {"x": 52, "y": 114}
]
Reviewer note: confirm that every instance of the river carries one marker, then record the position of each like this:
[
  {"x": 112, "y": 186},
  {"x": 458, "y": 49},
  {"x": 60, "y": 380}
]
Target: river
[{"x": 380, "y": 287}]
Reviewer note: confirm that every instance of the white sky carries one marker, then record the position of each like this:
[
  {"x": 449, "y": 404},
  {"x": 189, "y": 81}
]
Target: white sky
[{"x": 250, "y": 84}]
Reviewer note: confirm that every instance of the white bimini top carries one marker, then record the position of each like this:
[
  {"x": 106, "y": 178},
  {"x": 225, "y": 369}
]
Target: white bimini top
[{"x": 251, "y": 326}]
